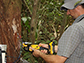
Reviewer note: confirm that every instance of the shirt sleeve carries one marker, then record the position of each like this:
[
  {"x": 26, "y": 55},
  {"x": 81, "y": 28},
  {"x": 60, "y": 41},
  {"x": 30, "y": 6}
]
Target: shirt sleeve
[{"x": 69, "y": 41}]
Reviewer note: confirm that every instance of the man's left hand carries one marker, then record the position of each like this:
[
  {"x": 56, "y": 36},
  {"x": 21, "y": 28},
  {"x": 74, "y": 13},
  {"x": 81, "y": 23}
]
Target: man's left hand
[{"x": 36, "y": 52}]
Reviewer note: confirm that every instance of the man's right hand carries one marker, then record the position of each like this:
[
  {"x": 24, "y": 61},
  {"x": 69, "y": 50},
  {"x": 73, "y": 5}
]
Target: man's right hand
[{"x": 45, "y": 46}]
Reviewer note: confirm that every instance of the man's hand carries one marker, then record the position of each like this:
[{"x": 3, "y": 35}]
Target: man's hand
[
  {"x": 46, "y": 46},
  {"x": 43, "y": 45},
  {"x": 36, "y": 52}
]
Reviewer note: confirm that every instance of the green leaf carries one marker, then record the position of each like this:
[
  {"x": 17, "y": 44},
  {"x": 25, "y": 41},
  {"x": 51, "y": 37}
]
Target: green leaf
[{"x": 24, "y": 19}]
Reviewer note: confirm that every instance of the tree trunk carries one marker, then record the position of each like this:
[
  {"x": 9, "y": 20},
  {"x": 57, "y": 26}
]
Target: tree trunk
[
  {"x": 33, "y": 21},
  {"x": 33, "y": 26},
  {"x": 10, "y": 26}
]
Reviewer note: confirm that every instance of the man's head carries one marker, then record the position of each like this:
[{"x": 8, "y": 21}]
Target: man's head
[{"x": 74, "y": 8}]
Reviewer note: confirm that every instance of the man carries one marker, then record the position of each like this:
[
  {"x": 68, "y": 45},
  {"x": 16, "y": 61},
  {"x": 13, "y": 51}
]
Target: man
[{"x": 71, "y": 45}]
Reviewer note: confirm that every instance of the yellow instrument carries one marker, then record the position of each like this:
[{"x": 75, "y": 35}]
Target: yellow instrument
[{"x": 50, "y": 50}]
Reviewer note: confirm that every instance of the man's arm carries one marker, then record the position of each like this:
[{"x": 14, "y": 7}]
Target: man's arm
[{"x": 49, "y": 58}]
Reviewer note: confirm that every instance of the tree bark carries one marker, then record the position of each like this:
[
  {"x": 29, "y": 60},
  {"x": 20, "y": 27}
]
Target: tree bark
[
  {"x": 10, "y": 26},
  {"x": 33, "y": 21}
]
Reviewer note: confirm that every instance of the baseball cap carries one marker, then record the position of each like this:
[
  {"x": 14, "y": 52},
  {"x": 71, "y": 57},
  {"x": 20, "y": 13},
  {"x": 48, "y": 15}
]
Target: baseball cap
[{"x": 71, "y": 4}]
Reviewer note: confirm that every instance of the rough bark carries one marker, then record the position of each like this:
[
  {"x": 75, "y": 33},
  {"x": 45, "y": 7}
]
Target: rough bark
[{"x": 10, "y": 25}]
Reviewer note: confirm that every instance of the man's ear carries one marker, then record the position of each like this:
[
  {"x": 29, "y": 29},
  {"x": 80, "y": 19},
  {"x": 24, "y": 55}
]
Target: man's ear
[{"x": 78, "y": 9}]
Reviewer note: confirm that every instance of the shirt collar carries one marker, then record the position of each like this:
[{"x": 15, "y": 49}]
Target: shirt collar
[{"x": 79, "y": 19}]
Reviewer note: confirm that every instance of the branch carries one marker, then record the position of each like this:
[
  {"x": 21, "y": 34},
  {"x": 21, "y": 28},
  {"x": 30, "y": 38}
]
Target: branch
[{"x": 27, "y": 7}]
